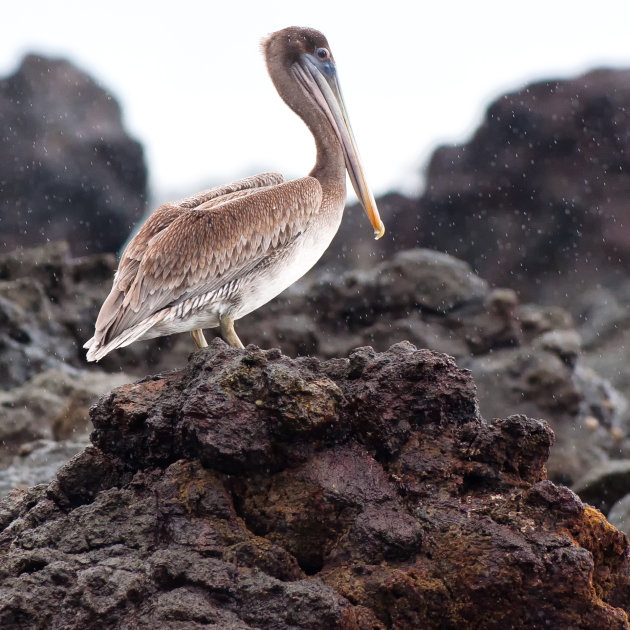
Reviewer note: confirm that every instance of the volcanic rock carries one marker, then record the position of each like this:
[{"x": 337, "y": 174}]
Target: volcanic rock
[
  {"x": 251, "y": 490},
  {"x": 539, "y": 194},
  {"x": 537, "y": 200},
  {"x": 619, "y": 515},
  {"x": 69, "y": 169},
  {"x": 525, "y": 358}
]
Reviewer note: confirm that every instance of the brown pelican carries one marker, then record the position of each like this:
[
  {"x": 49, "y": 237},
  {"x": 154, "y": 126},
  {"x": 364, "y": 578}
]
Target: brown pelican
[{"x": 212, "y": 258}]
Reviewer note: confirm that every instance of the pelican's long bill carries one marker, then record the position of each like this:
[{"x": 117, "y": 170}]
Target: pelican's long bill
[{"x": 319, "y": 79}]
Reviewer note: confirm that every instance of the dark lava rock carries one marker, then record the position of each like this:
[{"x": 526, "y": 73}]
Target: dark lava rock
[
  {"x": 524, "y": 358},
  {"x": 69, "y": 169},
  {"x": 537, "y": 200},
  {"x": 49, "y": 301},
  {"x": 251, "y": 490},
  {"x": 540, "y": 193}
]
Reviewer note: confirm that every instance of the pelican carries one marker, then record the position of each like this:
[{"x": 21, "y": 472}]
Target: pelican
[{"x": 210, "y": 259}]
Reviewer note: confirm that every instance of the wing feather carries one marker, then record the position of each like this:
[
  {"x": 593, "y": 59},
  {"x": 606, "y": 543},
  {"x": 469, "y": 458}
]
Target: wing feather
[
  {"x": 159, "y": 220},
  {"x": 202, "y": 243}
]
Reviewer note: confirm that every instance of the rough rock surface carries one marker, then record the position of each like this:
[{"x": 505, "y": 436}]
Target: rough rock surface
[
  {"x": 48, "y": 304},
  {"x": 537, "y": 200},
  {"x": 69, "y": 169},
  {"x": 250, "y": 490},
  {"x": 524, "y": 358}
]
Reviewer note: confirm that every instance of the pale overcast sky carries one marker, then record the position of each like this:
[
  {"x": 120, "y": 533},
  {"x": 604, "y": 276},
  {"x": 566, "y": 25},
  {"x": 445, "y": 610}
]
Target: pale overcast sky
[{"x": 194, "y": 90}]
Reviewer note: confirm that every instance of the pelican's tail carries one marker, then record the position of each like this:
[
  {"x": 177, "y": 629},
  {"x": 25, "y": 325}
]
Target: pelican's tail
[{"x": 97, "y": 349}]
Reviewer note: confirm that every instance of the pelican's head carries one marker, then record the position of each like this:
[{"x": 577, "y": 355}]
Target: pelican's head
[{"x": 303, "y": 56}]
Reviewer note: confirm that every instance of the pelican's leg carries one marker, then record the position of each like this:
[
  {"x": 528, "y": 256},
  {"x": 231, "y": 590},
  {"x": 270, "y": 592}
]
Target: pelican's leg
[
  {"x": 228, "y": 333},
  {"x": 200, "y": 340}
]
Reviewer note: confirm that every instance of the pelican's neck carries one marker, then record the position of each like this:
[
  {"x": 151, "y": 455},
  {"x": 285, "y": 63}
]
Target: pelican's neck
[{"x": 330, "y": 166}]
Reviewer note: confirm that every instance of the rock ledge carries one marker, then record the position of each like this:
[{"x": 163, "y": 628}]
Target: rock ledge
[{"x": 251, "y": 490}]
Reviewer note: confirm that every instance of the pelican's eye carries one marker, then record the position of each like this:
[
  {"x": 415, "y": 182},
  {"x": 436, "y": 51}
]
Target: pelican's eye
[{"x": 322, "y": 53}]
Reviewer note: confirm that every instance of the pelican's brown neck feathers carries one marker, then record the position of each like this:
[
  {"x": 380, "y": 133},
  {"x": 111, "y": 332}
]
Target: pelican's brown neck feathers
[{"x": 283, "y": 49}]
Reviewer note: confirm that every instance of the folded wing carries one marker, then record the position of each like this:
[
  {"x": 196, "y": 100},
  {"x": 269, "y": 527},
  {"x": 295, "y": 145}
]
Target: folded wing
[{"x": 199, "y": 244}]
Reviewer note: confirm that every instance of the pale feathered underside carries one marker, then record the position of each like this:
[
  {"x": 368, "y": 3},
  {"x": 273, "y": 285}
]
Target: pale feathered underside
[{"x": 200, "y": 243}]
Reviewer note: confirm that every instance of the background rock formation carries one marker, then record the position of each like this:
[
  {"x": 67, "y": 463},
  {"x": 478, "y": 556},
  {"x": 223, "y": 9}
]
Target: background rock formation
[
  {"x": 69, "y": 169},
  {"x": 543, "y": 183},
  {"x": 252, "y": 490},
  {"x": 261, "y": 491},
  {"x": 525, "y": 358},
  {"x": 537, "y": 200}
]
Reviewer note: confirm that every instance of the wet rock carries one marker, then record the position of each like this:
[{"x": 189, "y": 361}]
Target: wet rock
[
  {"x": 70, "y": 170},
  {"x": 52, "y": 405},
  {"x": 249, "y": 489},
  {"x": 619, "y": 515},
  {"x": 37, "y": 462},
  {"x": 605, "y": 485}
]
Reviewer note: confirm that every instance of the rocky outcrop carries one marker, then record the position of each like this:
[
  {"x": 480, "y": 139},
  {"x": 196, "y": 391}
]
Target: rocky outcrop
[
  {"x": 69, "y": 169},
  {"x": 48, "y": 304},
  {"x": 250, "y": 490},
  {"x": 525, "y": 358},
  {"x": 543, "y": 183},
  {"x": 537, "y": 200}
]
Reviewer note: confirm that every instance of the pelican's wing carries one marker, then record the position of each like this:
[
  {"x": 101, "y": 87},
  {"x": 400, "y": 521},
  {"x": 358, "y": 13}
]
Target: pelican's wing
[
  {"x": 200, "y": 245},
  {"x": 159, "y": 220}
]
